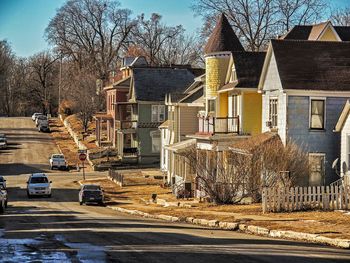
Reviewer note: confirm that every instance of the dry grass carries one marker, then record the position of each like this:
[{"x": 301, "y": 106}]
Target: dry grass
[
  {"x": 65, "y": 142},
  {"x": 331, "y": 224}
]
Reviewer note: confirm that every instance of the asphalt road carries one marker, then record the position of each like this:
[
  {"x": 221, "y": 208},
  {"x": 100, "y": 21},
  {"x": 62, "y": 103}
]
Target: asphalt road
[
  {"x": 59, "y": 229},
  {"x": 28, "y": 150}
]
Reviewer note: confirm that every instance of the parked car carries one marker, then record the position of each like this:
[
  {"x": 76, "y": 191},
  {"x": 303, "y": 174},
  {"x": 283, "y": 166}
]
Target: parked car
[
  {"x": 3, "y": 143},
  {"x": 58, "y": 161},
  {"x": 44, "y": 127},
  {"x": 90, "y": 193},
  {"x": 4, "y": 191},
  {"x": 40, "y": 119},
  {"x": 35, "y": 115},
  {"x": 2, "y": 181},
  {"x": 3, "y": 201},
  {"x": 38, "y": 185}
]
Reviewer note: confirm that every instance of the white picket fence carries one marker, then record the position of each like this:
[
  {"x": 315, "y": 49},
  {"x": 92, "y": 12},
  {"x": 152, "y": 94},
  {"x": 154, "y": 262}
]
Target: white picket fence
[{"x": 306, "y": 198}]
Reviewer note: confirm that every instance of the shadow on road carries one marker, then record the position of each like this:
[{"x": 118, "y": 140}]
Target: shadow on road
[{"x": 20, "y": 168}]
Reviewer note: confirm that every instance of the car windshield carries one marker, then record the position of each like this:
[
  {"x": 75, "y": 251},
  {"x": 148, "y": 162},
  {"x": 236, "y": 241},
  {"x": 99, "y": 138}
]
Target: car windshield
[
  {"x": 2, "y": 140},
  {"x": 58, "y": 156},
  {"x": 38, "y": 180},
  {"x": 42, "y": 117},
  {"x": 92, "y": 187}
]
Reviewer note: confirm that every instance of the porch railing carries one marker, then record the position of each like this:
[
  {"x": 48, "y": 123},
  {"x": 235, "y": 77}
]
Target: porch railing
[
  {"x": 130, "y": 152},
  {"x": 218, "y": 125},
  {"x": 125, "y": 125}
]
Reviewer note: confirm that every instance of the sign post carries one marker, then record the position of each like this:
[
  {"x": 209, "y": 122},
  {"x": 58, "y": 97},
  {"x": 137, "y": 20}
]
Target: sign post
[{"x": 82, "y": 158}]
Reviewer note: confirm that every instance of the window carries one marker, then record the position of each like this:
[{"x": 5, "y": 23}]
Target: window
[
  {"x": 211, "y": 105},
  {"x": 317, "y": 114},
  {"x": 273, "y": 112},
  {"x": 155, "y": 135},
  {"x": 158, "y": 113}
]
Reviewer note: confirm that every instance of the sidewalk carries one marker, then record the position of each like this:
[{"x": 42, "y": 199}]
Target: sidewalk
[{"x": 321, "y": 225}]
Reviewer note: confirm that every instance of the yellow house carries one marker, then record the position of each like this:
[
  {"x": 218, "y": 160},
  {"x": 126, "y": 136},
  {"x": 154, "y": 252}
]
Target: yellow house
[{"x": 232, "y": 103}]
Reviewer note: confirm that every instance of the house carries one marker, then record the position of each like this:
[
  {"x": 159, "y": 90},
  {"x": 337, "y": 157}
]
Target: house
[
  {"x": 319, "y": 32},
  {"x": 304, "y": 85},
  {"x": 182, "y": 115},
  {"x": 137, "y": 120},
  {"x": 343, "y": 127},
  {"x": 232, "y": 104},
  {"x": 116, "y": 92}
]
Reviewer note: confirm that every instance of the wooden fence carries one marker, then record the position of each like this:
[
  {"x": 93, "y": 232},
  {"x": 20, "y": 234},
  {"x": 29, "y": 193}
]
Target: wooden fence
[
  {"x": 306, "y": 198},
  {"x": 116, "y": 177}
]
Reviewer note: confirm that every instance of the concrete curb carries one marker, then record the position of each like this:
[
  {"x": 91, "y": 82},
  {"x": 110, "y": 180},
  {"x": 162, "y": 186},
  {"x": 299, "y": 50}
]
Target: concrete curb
[{"x": 250, "y": 229}]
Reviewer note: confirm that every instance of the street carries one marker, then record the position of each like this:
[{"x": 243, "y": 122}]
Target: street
[{"x": 59, "y": 229}]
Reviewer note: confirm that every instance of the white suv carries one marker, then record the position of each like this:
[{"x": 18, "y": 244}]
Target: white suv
[{"x": 38, "y": 184}]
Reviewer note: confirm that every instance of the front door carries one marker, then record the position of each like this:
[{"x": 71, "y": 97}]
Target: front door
[{"x": 317, "y": 169}]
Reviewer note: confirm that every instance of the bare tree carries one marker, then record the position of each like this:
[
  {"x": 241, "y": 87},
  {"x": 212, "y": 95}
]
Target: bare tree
[
  {"x": 92, "y": 32},
  {"x": 256, "y": 21},
  {"x": 300, "y": 12},
  {"x": 43, "y": 71},
  {"x": 151, "y": 36},
  {"x": 84, "y": 98},
  {"x": 230, "y": 176},
  {"x": 6, "y": 70},
  {"x": 341, "y": 17}
]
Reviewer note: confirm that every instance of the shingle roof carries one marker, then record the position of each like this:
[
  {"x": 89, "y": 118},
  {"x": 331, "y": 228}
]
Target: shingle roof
[
  {"x": 223, "y": 38},
  {"x": 250, "y": 144},
  {"x": 151, "y": 84},
  {"x": 248, "y": 68},
  {"x": 313, "y": 65},
  {"x": 312, "y": 32}
]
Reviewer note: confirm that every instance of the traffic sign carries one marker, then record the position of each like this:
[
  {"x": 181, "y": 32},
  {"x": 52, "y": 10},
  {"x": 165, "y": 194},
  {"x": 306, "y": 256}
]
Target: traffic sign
[{"x": 82, "y": 156}]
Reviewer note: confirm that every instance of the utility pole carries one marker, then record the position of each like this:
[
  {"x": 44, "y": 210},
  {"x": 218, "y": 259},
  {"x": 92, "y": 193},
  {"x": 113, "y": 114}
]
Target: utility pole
[{"x": 60, "y": 83}]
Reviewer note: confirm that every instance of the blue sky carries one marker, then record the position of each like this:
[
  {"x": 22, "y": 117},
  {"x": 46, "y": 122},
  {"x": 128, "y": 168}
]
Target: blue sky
[{"x": 22, "y": 22}]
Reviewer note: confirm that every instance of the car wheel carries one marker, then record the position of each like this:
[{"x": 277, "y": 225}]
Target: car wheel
[
  {"x": 49, "y": 196},
  {"x": 51, "y": 167},
  {"x": 6, "y": 203}
]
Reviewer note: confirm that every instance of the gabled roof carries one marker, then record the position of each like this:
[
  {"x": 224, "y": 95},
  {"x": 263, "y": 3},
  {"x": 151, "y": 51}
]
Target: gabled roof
[
  {"x": 223, "y": 38},
  {"x": 343, "y": 116},
  {"x": 152, "y": 84},
  {"x": 311, "y": 65},
  {"x": 314, "y": 32},
  {"x": 248, "y": 67}
]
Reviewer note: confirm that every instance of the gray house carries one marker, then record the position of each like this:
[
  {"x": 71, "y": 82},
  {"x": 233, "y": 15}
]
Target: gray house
[
  {"x": 305, "y": 85},
  {"x": 138, "y": 119}
]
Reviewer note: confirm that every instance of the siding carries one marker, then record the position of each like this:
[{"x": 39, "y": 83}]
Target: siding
[
  {"x": 316, "y": 141},
  {"x": 345, "y": 132},
  {"x": 188, "y": 121},
  {"x": 252, "y": 110}
]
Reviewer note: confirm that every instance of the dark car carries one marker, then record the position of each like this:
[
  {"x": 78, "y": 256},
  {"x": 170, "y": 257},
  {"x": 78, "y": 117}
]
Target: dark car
[
  {"x": 43, "y": 127},
  {"x": 90, "y": 193}
]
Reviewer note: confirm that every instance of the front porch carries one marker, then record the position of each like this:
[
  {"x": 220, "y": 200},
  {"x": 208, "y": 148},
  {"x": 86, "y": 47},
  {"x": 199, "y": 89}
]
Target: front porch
[{"x": 104, "y": 129}]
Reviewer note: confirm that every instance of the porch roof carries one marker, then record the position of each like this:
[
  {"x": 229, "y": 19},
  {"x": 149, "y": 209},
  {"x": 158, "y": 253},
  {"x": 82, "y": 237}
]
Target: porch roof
[
  {"x": 181, "y": 146},
  {"x": 164, "y": 125},
  {"x": 103, "y": 116}
]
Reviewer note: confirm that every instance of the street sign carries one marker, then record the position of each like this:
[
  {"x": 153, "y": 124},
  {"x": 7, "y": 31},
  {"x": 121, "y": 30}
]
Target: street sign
[{"x": 82, "y": 156}]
